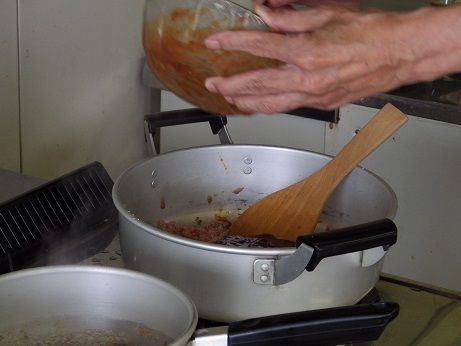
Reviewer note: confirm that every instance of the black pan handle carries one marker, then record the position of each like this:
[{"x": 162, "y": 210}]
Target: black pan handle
[
  {"x": 185, "y": 116},
  {"x": 153, "y": 123},
  {"x": 350, "y": 239},
  {"x": 334, "y": 326}
]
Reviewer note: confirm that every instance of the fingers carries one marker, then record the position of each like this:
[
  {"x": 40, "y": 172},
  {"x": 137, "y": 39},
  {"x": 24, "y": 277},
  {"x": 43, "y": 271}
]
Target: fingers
[
  {"x": 290, "y": 20},
  {"x": 344, "y": 3},
  {"x": 275, "y": 3},
  {"x": 341, "y": 3},
  {"x": 280, "y": 103},
  {"x": 268, "y": 104},
  {"x": 302, "y": 50},
  {"x": 381, "y": 81},
  {"x": 331, "y": 65},
  {"x": 289, "y": 78},
  {"x": 264, "y": 44}
]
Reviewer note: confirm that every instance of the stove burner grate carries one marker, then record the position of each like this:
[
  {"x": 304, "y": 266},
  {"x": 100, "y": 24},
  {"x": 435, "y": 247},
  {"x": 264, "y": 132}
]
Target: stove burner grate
[{"x": 63, "y": 221}]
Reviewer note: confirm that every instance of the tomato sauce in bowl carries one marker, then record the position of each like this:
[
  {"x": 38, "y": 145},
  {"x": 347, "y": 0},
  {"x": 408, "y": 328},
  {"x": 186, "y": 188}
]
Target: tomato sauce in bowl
[{"x": 173, "y": 40}]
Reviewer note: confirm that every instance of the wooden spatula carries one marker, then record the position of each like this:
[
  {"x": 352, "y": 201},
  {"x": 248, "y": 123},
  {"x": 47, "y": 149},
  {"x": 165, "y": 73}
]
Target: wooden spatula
[{"x": 295, "y": 210}]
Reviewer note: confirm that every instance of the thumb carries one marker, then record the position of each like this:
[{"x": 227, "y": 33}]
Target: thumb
[{"x": 294, "y": 21}]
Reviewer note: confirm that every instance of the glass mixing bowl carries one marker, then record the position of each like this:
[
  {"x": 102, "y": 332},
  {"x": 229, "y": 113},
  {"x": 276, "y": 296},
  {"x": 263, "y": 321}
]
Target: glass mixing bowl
[{"x": 173, "y": 35}]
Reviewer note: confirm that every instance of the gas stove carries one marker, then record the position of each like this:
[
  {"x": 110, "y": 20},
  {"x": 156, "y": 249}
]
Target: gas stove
[{"x": 70, "y": 220}]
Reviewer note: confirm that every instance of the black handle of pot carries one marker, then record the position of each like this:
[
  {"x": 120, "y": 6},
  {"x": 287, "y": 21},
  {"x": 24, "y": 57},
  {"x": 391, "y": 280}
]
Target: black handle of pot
[
  {"x": 350, "y": 239},
  {"x": 185, "y": 116},
  {"x": 334, "y": 326}
]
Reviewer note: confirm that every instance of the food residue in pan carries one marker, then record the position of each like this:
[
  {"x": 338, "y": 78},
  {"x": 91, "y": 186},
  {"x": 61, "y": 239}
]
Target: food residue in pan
[
  {"x": 209, "y": 233},
  {"x": 213, "y": 227},
  {"x": 238, "y": 190},
  {"x": 81, "y": 330},
  {"x": 222, "y": 161},
  {"x": 198, "y": 221},
  {"x": 218, "y": 233}
]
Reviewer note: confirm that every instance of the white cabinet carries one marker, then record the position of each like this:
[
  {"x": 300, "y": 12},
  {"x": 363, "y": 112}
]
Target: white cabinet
[
  {"x": 422, "y": 163},
  {"x": 9, "y": 99},
  {"x": 81, "y": 95}
]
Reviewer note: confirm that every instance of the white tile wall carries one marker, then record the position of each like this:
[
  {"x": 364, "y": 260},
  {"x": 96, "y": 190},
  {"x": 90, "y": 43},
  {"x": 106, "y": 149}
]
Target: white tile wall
[
  {"x": 9, "y": 101},
  {"x": 81, "y": 97}
]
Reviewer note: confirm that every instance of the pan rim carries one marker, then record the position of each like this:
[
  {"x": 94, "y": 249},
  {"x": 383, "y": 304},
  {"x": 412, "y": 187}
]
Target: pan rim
[{"x": 148, "y": 228}]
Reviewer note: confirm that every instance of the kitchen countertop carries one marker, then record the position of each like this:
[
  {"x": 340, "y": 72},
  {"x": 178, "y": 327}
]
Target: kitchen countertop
[
  {"x": 438, "y": 100},
  {"x": 425, "y": 319}
]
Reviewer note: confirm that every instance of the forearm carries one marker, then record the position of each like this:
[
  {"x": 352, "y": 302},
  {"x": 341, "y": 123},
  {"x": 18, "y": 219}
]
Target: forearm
[{"x": 429, "y": 43}]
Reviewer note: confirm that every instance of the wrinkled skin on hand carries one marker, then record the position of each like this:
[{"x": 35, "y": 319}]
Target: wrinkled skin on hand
[
  {"x": 313, "y": 3},
  {"x": 333, "y": 55}
]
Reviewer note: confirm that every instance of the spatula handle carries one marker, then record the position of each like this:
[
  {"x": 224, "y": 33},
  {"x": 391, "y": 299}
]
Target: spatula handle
[{"x": 388, "y": 120}]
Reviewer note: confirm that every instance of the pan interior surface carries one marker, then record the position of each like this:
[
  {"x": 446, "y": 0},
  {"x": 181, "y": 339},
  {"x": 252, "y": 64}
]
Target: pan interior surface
[{"x": 198, "y": 186}]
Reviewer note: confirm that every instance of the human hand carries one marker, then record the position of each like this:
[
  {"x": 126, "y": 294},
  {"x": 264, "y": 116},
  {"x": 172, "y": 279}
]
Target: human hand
[
  {"x": 313, "y": 3},
  {"x": 331, "y": 57}
]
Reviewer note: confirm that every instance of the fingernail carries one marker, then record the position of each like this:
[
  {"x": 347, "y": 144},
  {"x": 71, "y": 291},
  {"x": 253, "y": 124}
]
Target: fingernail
[
  {"x": 263, "y": 12},
  {"x": 265, "y": 3},
  {"x": 210, "y": 86},
  {"x": 212, "y": 44},
  {"x": 229, "y": 99},
  {"x": 261, "y": 6}
]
